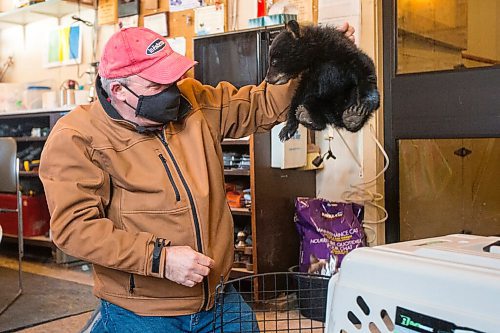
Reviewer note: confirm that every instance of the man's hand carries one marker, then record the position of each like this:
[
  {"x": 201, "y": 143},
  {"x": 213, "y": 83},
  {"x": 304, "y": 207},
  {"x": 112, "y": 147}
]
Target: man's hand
[
  {"x": 186, "y": 266},
  {"x": 348, "y": 31}
]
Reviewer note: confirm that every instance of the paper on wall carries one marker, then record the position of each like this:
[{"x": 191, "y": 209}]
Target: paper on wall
[
  {"x": 303, "y": 9},
  {"x": 157, "y": 23},
  {"x": 336, "y": 12},
  {"x": 107, "y": 12},
  {"x": 178, "y": 44},
  {"x": 209, "y": 20},
  {"x": 239, "y": 12},
  {"x": 178, "y": 5},
  {"x": 63, "y": 46},
  {"x": 150, "y": 4},
  {"x": 331, "y": 9},
  {"x": 128, "y": 22}
]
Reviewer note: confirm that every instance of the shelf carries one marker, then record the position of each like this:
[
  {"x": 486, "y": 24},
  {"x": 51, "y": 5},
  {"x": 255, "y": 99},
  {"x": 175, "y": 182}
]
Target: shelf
[
  {"x": 32, "y": 240},
  {"x": 241, "y": 211},
  {"x": 39, "y": 11},
  {"x": 30, "y": 138},
  {"x": 240, "y": 272},
  {"x": 28, "y": 173},
  {"x": 233, "y": 142},
  {"x": 65, "y": 108},
  {"x": 236, "y": 172}
]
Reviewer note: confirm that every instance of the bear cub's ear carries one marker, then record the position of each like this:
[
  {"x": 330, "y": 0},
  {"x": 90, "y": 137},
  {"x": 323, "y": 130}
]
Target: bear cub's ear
[{"x": 293, "y": 27}]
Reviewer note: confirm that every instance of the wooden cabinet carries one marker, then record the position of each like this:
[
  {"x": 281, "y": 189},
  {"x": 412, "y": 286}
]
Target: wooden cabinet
[
  {"x": 270, "y": 218},
  {"x": 241, "y": 58}
]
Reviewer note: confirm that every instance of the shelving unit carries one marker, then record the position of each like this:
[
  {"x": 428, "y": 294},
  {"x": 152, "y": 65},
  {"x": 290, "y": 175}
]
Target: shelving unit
[
  {"x": 28, "y": 173},
  {"x": 275, "y": 245},
  {"x": 43, "y": 241},
  {"x": 40, "y": 11},
  {"x": 30, "y": 138},
  {"x": 230, "y": 142},
  {"x": 242, "y": 216},
  {"x": 41, "y": 118},
  {"x": 240, "y": 272},
  {"x": 274, "y": 239},
  {"x": 241, "y": 211},
  {"x": 237, "y": 172}
]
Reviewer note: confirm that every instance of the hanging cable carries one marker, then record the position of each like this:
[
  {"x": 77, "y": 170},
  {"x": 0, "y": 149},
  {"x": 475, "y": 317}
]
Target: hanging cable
[
  {"x": 361, "y": 194},
  {"x": 349, "y": 148}
]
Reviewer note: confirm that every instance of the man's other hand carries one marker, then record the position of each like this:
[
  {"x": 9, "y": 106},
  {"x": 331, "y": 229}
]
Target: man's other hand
[
  {"x": 348, "y": 31},
  {"x": 186, "y": 266}
]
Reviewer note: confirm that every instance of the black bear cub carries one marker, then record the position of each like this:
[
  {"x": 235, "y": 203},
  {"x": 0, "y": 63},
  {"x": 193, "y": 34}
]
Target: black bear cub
[{"x": 338, "y": 83}]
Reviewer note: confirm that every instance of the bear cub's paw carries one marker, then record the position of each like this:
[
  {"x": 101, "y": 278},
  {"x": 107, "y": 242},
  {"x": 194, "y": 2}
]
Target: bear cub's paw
[
  {"x": 287, "y": 132},
  {"x": 355, "y": 117}
]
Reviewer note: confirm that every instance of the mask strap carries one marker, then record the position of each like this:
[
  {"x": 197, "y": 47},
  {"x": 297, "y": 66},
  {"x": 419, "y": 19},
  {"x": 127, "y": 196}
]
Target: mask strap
[
  {"x": 133, "y": 93},
  {"x": 131, "y": 106}
]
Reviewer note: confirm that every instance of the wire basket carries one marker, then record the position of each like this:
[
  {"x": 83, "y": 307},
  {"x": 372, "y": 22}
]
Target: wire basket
[{"x": 272, "y": 302}]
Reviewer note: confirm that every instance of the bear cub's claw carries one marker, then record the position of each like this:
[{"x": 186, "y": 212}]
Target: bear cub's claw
[{"x": 286, "y": 133}]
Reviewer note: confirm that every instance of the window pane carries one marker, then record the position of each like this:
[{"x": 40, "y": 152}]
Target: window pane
[
  {"x": 438, "y": 35},
  {"x": 449, "y": 186}
]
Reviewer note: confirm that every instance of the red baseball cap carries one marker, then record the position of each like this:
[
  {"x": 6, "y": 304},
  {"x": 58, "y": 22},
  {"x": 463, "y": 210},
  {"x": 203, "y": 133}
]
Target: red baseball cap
[{"x": 142, "y": 52}]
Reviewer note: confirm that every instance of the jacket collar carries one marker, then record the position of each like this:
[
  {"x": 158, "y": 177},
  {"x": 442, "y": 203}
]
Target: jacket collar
[{"x": 105, "y": 101}]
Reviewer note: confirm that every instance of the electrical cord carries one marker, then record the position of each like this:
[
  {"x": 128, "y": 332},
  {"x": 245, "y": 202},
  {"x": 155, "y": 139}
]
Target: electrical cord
[
  {"x": 360, "y": 192},
  {"x": 77, "y": 19}
]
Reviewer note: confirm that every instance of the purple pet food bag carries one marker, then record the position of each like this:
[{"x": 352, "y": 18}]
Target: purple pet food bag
[{"x": 328, "y": 231}]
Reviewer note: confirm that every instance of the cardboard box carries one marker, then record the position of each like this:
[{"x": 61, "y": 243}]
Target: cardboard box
[{"x": 289, "y": 154}]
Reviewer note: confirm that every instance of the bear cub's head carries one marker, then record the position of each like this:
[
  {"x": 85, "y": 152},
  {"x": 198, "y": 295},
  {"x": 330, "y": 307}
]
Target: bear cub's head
[{"x": 286, "y": 57}]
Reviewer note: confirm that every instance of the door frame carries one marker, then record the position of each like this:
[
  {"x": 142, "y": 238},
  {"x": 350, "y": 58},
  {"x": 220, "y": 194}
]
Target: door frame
[{"x": 462, "y": 103}]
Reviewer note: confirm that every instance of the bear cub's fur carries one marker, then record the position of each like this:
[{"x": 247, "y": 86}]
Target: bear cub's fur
[{"x": 338, "y": 83}]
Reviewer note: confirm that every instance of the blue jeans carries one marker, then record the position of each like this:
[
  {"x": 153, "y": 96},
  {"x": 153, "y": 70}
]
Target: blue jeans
[{"x": 238, "y": 317}]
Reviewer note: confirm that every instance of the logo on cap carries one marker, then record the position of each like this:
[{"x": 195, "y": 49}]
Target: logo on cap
[{"x": 155, "y": 46}]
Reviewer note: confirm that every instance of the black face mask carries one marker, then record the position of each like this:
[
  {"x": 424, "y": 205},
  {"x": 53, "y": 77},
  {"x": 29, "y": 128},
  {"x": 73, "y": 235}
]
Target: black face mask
[{"x": 161, "y": 107}]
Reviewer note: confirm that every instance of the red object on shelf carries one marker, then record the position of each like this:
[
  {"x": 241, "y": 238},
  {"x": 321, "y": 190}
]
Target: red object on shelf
[
  {"x": 36, "y": 215},
  {"x": 261, "y": 8},
  {"x": 234, "y": 199}
]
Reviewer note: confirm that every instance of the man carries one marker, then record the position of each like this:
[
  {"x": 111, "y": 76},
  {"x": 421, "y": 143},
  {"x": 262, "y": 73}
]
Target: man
[{"x": 135, "y": 184}]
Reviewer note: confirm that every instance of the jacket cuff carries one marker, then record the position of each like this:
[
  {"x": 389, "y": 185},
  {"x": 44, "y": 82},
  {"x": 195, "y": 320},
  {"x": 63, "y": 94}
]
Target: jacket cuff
[{"x": 157, "y": 258}]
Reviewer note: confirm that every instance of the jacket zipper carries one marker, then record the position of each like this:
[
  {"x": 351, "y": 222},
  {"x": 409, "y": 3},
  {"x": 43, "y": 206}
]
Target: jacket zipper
[
  {"x": 193, "y": 210},
  {"x": 176, "y": 190}
]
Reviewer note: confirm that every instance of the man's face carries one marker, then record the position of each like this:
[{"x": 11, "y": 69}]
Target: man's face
[{"x": 139, "y": 86}]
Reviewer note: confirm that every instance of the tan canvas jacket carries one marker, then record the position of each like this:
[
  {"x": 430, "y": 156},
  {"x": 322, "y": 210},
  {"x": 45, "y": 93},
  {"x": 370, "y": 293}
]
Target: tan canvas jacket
[{"x": 118, "y": 195}]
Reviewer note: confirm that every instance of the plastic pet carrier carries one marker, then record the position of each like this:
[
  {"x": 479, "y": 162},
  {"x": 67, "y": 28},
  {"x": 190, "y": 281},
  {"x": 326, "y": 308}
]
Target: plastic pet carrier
[{"x": 445, "y": 284}]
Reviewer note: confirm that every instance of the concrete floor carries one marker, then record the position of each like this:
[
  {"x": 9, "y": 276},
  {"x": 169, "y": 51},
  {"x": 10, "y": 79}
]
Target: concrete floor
[
  {"x": 272, "y": 322},
  {"x": 47, "y": 267}
]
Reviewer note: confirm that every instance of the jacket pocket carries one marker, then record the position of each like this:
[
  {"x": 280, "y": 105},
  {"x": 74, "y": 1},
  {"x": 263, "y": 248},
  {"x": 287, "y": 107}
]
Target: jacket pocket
[
  {"x": 118, "y": 284},
  {"x": 151, "y": 287},
  {"x": 145, "y": 183},
  {"x": 174, "y": 226}
]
